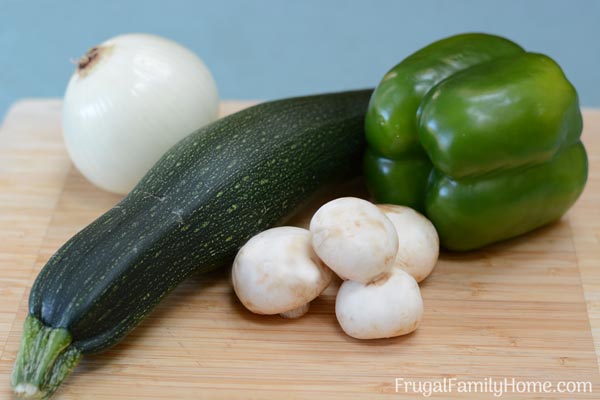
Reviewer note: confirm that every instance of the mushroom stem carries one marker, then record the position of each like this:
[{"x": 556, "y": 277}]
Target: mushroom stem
[{"x": 296, "y": 312}]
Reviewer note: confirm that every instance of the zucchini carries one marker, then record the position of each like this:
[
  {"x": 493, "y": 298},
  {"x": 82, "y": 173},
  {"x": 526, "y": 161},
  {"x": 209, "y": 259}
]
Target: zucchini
[{"x": 191, "y": 212}]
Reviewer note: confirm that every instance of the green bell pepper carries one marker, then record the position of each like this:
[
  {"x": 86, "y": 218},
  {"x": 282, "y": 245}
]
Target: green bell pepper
[{"x": 480, "y": 135}]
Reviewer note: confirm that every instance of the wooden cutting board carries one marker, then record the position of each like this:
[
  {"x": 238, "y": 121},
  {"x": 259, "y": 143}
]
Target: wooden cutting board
[{"x": 520, "y": 309}]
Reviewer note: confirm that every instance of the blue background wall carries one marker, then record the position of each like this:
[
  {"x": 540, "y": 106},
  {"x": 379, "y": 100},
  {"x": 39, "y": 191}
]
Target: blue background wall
[{"x": 264, "y": 49}]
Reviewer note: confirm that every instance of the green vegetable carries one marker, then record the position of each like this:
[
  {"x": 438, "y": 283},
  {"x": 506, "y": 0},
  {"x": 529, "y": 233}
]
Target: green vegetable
[
  {"x": 480, "y": 135},
  {"x": 192, "y": 211}
]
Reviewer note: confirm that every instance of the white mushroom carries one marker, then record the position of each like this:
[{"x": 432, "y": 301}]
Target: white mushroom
[
  {"x": 277, "y": 272},
  {"x": 354, "y": 238},
  {"x": 389, "y": 307},
  {"x": 418, "y": 241}
]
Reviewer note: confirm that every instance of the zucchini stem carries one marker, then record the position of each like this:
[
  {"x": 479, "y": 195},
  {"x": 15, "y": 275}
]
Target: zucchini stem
[{"x": 46, "y": 357}]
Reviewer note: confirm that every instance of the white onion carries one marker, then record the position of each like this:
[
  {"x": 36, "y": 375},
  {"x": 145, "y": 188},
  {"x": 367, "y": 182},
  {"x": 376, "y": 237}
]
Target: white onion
[{"x": 131, "y": 99}]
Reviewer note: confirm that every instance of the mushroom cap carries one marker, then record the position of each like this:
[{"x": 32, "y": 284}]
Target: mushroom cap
[
  {"x": 382, "y": 309},
  {"x": 418, "y": 241},
  {"x": 277, "y": 271},
  {"x": 354, "y": 238}
]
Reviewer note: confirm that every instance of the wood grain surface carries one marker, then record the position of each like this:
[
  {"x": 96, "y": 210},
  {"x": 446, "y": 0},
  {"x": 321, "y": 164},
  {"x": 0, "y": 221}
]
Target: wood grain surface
[{"x": 528, "y": 308}]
